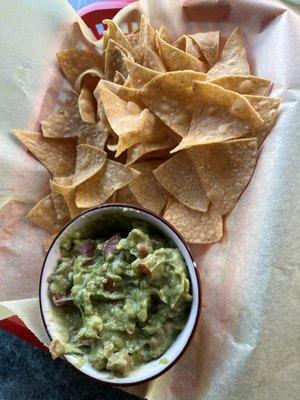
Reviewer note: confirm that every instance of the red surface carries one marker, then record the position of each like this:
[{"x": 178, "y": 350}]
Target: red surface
[{"x": 13, "y": 324}]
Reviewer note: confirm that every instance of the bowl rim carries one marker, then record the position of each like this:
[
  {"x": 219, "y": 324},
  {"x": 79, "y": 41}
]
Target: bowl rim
[{"x": 199, "y": 284}]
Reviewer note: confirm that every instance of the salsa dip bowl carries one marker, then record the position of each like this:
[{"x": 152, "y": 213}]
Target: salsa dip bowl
[{"x": 112, "y": 218}]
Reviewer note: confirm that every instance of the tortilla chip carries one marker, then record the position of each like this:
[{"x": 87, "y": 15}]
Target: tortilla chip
[
  {"x": 125, "y": 93},
  {"x": 86, "y": 106},
  {"x": 134, "y": 39},
  {"x": 267, "y": 108},
  {"x": 89, "y": 161},
  {"x": 63, "y": 169},
  {"x": 70, "y": 199},
  {"x": 179, "y": 177},
  {"x": 162, "y": 33},
  {"x": 43, "y": 214},
  {"x": 251, "y": 84},
  {"x": 128, "y": 82},
  {"x": 219, "y": 115},
  {"x": 74, "y": 61},
  {"x": 195, "y": 226},
  {"x": 88, "y": 79},
  {"x": 48, "y": 242},
  {"x": 147, "y": 190},
  {"x": 66, "y": 122},
  {"x": 208, "y": 43},
  {"x": 114, "y": 33},
  {"x": 63, "y": 173},
  {"x": 151, "y": 148},
  {"x": 126, "y": 196},
  {"x": 60, "y": 206},
  {"x": 114, "y": 60},
  {"x": 149, "y": 56},
  {"x": 170, "y": 97},
  {"x": 225, "y": 170},
  {"x": 96, "y": 135},
  {"x": 113, "y": 176},
  {"x": 119, "y": 78},
  {"x": 131, "y": 123},
  {"x": 186, "y": 44},
  {"x": 139, "y": 75},
  {"x": 175, "y": 59},
  {"x": 48, "y": 151},
  {"x": 233, "y": 59}
]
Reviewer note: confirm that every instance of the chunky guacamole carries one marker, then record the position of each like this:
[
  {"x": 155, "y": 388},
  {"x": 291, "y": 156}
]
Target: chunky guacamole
[{"x": 124, "y": 298}]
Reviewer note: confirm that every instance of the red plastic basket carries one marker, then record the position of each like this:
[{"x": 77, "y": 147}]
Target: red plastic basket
[{"x": 93, "y": 15}]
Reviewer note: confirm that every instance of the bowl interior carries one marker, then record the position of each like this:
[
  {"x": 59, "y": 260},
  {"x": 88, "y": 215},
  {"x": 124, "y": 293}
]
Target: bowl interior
[{"x": 54, "y": 324}]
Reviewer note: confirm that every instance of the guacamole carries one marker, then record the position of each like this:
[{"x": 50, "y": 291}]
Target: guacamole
[{"x": 124, "y": 298}]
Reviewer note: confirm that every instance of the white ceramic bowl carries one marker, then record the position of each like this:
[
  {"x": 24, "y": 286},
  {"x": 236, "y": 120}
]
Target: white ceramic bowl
[{"x": 52, "y": 324}]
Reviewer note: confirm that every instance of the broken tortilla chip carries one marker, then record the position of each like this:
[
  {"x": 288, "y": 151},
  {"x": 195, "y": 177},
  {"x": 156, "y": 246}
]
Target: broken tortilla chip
[
  {"x": 233, "y": 59},
  {"x": 170, "y": 97},
  {"x": 225, "y": 170},
  {"x": 208, "y": 44},
  {"x": 44, "y": 215},
  {"x": 113, "y": 176},
  {"x": 86, "y": 106},
  {"x": 74, "y": 62},
  {"x": 179, "y": 177},
  {"x": 219, "y": 115},
  {"x": 48, "y": 151},
  {"x": 175, "y": 59},
  {"x": 195, "y": 226},
  {"x": 147, "y": 190},
  {"x": 113, "y": 32},
  {"x": 250, "y": 84}
]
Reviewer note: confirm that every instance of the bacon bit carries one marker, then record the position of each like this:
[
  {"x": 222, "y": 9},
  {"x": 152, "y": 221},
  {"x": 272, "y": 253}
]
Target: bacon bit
[
  {"x": 108, "y": 248},
  {"x": 108, "y": 285},
  {"x": 143, "y": 250},
  {"x": 60, "y": 299},
  {"x": 144, "y": 270}
]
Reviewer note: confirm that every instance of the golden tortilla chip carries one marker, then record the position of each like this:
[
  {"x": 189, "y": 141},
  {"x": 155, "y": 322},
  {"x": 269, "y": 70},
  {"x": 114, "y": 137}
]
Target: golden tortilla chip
[
  {"x": 64, "y": 172},
  {"x": 170, "y": 97},
  {"x": 43, "y": 214},
  {"x": 179, "y": 177},
  {"x": 86, "y": 106},
  {"x": 126, "y": 196},
  {"x": 219, "y": 115},
  {"x": 48, "y": 242},
  {"x": 163, "y": 34},
  {"x": 89, "y": 161},
  {"x": 88, "y": 79},
  {"x": 113, "y": 176},
  {"x": 114, "y": 60},
  {"x": 267, "y": 108},
  {"x": 74, "y": 62},
  {"x": 208, "y": 44},
  {"x": 252, "y": 85},
  {"x": 59, "y": 206},
  {"x": 175, "y": 59},
  {"x": 195, "y": 226},
  {"x": 114, "y": 33},
  {"x": 233, "y": 59},
  {"x": 70, "y": 199},
  {"x": 66, "y": 122},
  {"x": 147, "y": 190},
  {"x": 134, "y": 39},
  {"x": 125, "y": 93},
  {"x": 119, "y": 78},
  {"x": 187, "y": 44},
  {"x": 149, "y": 56},
  {"x": 48, "y": 151},
  {"x": 139, "y": 75},
  {"x": 225, "y": 170},
  {"x": 96, "y": 135},
  {"x": 131, "y": 123},
  {"x": 151, "y": 148}
]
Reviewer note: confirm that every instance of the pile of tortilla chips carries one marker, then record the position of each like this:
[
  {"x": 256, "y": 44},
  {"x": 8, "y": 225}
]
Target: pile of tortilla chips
[{"x": 173, "y": 127}]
